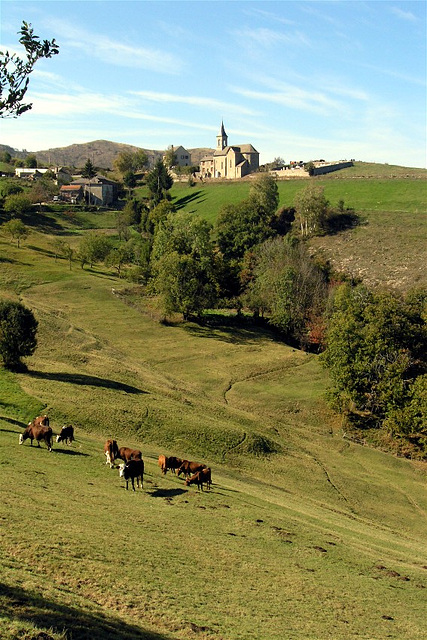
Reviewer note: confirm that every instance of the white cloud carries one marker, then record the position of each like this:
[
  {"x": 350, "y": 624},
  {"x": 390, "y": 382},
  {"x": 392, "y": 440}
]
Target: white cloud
[
  {"x": 404, "y": 15},
  {"x": 198, "y": 101},
  {"x": 294, "y": 97},
  {"x": 268, "y": 38},
  {"x": 114, "y": 52}
]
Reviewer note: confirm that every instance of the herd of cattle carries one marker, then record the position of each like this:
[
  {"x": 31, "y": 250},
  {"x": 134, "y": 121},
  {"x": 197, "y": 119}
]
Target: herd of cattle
[{"x": 132, "y": 467}]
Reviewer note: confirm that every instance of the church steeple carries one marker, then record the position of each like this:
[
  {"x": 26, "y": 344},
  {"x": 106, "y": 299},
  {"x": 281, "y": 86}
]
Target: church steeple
[{"x": 222, "y": 138}]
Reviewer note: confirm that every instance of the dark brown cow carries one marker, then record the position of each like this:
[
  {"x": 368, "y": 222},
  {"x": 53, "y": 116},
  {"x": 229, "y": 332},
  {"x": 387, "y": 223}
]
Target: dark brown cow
[
  {"x": 111, "y": 451},
  {"x": 39, "y": 433},
  {"x": 171, "y": 463},
  {"x": 131, "y": 470},
  {"x": 200, "y": 478},
  {"x": 66, "y": 435},
  {"x": 126, "y": 454},
  {"x": 188, "y": 468}
]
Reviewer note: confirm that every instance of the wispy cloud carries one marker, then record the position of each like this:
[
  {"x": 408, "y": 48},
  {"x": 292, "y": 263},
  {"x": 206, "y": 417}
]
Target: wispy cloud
[
  {"x": 268, "y": 37},
  {"x": 268, "y": 15},
  {"x": 292, "y": 96},
  {"x": 404, "y": 15},
  {"x": 116, "y": 52},
  {"x": 197, "y": 101}
]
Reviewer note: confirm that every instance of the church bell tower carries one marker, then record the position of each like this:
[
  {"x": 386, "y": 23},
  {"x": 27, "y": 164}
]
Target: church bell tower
[{"x": 221, "y": 139}]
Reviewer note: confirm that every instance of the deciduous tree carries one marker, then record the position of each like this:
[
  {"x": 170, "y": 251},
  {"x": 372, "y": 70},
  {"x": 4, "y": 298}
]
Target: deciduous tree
[
  {"x": 18, "y": 331},
  {"x": 16, "y": 229},
  {"x": 15, "y": 71}
]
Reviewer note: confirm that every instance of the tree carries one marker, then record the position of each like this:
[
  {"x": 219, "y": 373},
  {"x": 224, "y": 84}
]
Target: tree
[
  {"x": 14, "y": 71},
  {"x": 11, "y": 189},
  {"x": 183, "y": 264},
  {"x": 170, "y": 158},
  {"x": 18, "y": 330},
  {"x": 18, "y": 205},
  {"x": 63, "y": 249},
  {"x": 89, "y": 172},
  {"x": 286, "y": 285},
  {"x": 129, "y": 180},
  {"x": 5, "y": 155},
  {"x": 264, "y": 193},
  {"x": 375, "y": 353},
  {"x": 31, "y": 162},
  {"x": 311, "y": 208},
  {"x": 93, "y": 248},
  {"x": 159, "y": 181},
  {"x": 128, "y": 161},
  {"x": 16, "y": 229}
]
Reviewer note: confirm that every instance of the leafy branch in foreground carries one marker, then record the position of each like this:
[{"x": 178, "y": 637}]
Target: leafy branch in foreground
[{"x": 14, "y": 71}]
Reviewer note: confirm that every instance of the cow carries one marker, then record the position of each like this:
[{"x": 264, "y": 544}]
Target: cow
[
  {"x": 171, "y": 463},
  {"x": 126, "y": 454},
  {"x": 39, "y": 433},
  {"x": 111, "y": 451},
  {"x": 200, "y": 478},
  {"x": 43, "y": 421},
  {"x": 131, "y": 470},
  {"x": 66, "y": 435},
  {"x": 188, "y": 468}
]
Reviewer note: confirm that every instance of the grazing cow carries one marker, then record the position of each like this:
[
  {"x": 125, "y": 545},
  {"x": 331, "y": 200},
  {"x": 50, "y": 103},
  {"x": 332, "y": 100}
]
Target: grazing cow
[
  {"x": 126, "y": 454},
  {"x": 131, "y": 470},
  {"x": 37, "y": 432},
  {"x": 40, "y": 420},
  {"x": 111, "y": 451},
  {"x": 66, "y": 435},
  {"x": 171, "y": 463},
  {"x": 188, "y": 468},
  {"x": 162, "y": 464},
  {"x": 200, "y": 478}
]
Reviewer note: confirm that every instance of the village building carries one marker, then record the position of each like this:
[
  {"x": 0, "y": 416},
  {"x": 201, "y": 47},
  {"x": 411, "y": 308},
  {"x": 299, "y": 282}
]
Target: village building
[
  {"x": 183, "y": 156},
  {"x": 229, "y": 162},
  {"x": 98, "y": 191},
  {"x": 72, "y": 193}
]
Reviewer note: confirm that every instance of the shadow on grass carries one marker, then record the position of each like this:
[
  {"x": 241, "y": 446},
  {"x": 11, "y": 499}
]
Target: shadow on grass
[
  {"x": 167, "y": 493},
  {"x": 232, "y": 330},
  {"x": 84, "y": 380},
  {"x": 41, "y": 221},
  {"x": 25, "y": 606},
  {"x": 195, "y": 196},
  {"x": 69, "y": 452},
  {"x": 18, "y": 423}
]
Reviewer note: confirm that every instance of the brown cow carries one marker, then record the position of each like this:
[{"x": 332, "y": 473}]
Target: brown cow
[
  {"x": 126, "y": 454},
  {"x": 188, "y": 468},
  {"x": 171, "y": 463},
  {"x": 111, "y": 451},
  {"x": 37, "y": 432},
  {"x": 40, "y": 420},
  {"x": 66, "y": 435},
  {"x": 200, "y": 478},
  {"x": 131, "y": 470}
]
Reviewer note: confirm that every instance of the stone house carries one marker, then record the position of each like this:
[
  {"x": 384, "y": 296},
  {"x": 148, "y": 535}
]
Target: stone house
[
  {"x": 229, "y": 162},
  {"x": 183, "y": 157},
  {"x": 99, "y": 191}
]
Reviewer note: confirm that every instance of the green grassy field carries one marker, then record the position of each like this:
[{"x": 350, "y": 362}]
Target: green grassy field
[{"x": 304, "y": 535}]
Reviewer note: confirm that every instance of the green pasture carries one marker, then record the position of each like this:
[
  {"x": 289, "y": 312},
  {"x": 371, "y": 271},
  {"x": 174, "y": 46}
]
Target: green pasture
[
  {"x": 394, "y": 196},
  {"x": 304, "y": 535}
]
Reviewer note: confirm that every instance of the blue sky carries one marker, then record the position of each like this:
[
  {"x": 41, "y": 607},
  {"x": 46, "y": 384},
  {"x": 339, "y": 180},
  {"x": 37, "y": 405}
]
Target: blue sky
[{"x": 297, "y": 79}]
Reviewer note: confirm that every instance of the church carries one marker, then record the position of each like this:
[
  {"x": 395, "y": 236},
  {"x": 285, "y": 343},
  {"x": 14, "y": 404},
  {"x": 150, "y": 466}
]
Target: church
[{"x": 229, "y": 162}]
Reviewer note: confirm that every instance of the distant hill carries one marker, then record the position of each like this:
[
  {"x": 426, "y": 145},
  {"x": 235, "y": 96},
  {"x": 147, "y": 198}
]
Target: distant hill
[{"x": 101, "y": 153}]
